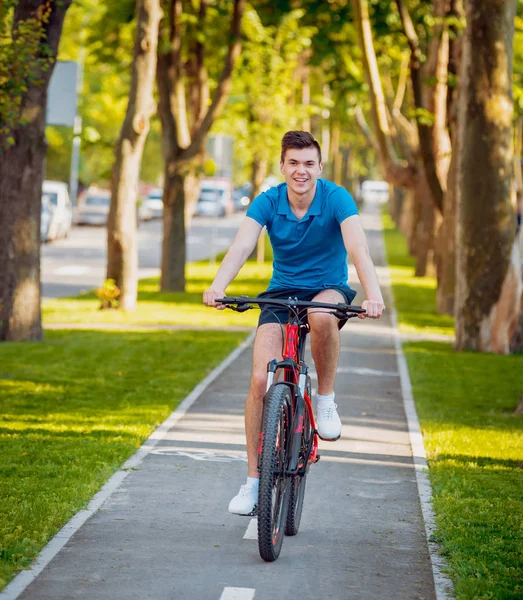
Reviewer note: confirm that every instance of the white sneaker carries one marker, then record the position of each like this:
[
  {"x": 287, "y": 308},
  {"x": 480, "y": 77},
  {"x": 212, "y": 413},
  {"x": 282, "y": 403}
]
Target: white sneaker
[
  {"x": 328, "y": 422},
  {"x": 245, "y": 502}
]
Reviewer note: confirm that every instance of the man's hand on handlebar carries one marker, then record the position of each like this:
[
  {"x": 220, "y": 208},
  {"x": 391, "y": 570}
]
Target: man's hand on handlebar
[
  {"x": 374, "y": 309},
  {"x": 210, "y": 296}
]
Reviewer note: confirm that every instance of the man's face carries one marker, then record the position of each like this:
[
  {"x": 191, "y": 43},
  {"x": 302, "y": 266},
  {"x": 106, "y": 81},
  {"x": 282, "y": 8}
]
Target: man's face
[{"x": 301, "y": 168}]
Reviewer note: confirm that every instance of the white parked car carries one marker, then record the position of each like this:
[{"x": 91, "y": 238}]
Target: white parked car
[
  {"x": 215, "y": 198},
  {"x": 377, "y": 191},
  {"x": 152, "y": 205},
  {"x": 55, "y": 195},
  {"x": 93, "y": 209}
]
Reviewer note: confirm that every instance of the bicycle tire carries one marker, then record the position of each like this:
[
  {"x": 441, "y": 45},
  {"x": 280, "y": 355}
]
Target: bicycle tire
[
  {"x": 297, "y": 488},
  {"x": 273, "y": 495}
]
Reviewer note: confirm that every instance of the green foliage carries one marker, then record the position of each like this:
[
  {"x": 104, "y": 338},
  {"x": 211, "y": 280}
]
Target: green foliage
[
  {"x": 100, "y": 37},
  {"x": 24, "y": 56},
  {"x": 263, "y": 102}
]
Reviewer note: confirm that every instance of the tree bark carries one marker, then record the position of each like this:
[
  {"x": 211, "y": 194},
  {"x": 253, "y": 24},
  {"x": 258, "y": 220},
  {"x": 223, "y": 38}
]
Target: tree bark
[
  {"x": 184, "y": 135},
  {"x": 122, "y": 245},
  {"x": 516, "y": 344},
  {"x": 446, "y": 236},
  {"x": 446, "y": 241},
  {"x": 336, "y": 157},
  {"x": 424, "y": 224},
  {"x": 488, "y": 270},
  {"x": 21, "y": 175}
]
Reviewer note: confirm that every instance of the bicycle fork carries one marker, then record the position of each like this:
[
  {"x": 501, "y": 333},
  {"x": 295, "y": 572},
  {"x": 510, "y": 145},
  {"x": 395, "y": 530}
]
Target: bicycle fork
[{"x": 300, "y": 405}]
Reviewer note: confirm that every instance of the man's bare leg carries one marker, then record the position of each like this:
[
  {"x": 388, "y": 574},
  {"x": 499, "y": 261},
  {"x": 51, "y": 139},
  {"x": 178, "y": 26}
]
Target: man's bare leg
[
  {"x": 267, "y": 346},
  {"x": 325, "y": 342}
]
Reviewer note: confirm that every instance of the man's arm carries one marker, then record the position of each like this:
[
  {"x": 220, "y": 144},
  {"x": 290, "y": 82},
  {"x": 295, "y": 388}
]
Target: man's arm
[
  {"x": 356, "y": 245},
  {"x": 233, "y": 261}
]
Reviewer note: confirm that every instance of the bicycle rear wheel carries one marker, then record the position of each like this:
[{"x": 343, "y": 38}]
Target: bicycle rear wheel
[
  {"x": 297, "y": 486},
  {"x": 273, "y": 497}
]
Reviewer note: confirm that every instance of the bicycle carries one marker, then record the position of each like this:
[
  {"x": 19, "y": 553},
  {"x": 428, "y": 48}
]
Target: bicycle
[{"x": 288, "y": 443}]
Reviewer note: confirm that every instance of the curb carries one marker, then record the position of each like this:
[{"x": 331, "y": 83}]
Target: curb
[
  {"x": 442, "y": 584},
  {"x": 26, "y": 577}
]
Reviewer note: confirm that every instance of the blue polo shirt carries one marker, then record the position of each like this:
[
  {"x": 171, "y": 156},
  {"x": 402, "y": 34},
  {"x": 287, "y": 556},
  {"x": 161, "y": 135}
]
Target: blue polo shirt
[{"x": 309, "y": 253}]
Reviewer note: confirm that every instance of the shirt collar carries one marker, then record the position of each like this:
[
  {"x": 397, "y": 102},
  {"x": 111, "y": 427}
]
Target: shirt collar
[{"x": 284, "y": 208}]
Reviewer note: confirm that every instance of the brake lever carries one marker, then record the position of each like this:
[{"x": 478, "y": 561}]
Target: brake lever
[{"x": 241, "y": 307}]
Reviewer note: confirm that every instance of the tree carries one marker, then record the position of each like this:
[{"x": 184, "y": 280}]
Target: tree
[
  {"x": 26, "y": 73},
  {"x": 488, "y": 268},
  {"x": 122, "y": 248},
  {"x": 187, "y": 116},
  {"x": 266, "y": 78}
]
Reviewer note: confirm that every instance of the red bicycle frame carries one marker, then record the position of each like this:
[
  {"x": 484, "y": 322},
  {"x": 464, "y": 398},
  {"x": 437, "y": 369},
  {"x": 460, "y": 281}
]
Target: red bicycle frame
[{"x": 292, "y": 352}]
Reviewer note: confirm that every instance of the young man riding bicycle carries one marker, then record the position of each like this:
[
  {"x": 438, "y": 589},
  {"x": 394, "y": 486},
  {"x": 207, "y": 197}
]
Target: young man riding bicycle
[{"x": 312, "y": 225}]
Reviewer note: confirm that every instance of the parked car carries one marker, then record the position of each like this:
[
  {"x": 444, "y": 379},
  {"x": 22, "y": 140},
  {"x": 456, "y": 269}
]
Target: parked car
[
  {"x": 241, "y": 198},
  {"x": 215, "y": 198},
  {"x": 93, "y": 209},
  {"x": 377, "y": 191},
  {"x": 56, "y": 196},
  {"x": 45, "y": 219},
  {"x": 152, "y": 205}
]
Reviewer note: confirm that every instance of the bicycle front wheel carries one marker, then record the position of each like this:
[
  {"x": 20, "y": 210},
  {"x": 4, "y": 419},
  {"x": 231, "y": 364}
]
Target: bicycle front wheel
[{"x": 273, "y": 497}]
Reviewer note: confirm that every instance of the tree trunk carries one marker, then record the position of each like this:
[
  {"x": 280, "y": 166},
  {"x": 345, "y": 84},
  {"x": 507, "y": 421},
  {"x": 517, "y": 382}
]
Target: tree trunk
[
  {"x": 181, "y": 143},
  {"x": 394, "y": 172},
  {"x": 516, "y": 344},
  {"x": 173, "y": 242},
  {"x": 21, "y": 175},
  {"x": 425, "y": 223},
  {"x": 488, "y": 271},
  {"x": 396, "y": 200},
  {"x": 446, "y": 242},
  {"x": 258, "y": 174},
  {"x": 122, "y": 245},
  {"x": 446, "y": 237},
  {"x": 336, "y": 157},
  {"x": 425, "y": 131},
  {"x": 407, "y": 216}
]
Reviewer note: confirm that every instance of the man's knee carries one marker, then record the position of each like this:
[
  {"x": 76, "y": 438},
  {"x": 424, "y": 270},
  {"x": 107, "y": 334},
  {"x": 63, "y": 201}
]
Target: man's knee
[
  {"x": 322, "y": 323},
  {"x": 258, "y": 383}
]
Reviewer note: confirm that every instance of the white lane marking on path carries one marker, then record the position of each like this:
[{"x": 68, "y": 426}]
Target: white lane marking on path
[
  {"x": 206, "y": 456},
  {"x": 23, "y": 579},
  {"x": 360, "y": 371},
  {"x": 234, "y": 593},
  {"x": 252, "y": 530},
  {"x": 72, "y": 270},
  {"x": 442, "y": 584}
]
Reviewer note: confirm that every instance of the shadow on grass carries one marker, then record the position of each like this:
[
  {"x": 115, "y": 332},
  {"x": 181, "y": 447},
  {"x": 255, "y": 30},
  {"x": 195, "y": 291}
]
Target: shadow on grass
[
  {"x": 418, "y": 307},
  {"x": 480, "y": 462}
]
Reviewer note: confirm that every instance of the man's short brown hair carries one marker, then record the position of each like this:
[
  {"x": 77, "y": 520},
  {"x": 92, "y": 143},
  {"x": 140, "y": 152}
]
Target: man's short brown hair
[{"x": 298, "y": 140}]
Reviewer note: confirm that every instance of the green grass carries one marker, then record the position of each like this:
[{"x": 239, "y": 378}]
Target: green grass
[
  {"x": 73, "y": 409},
  {"x": 166, "y": 308},
  {"x": 474, "y": 443},
  {"x": 415, "y": 295}
]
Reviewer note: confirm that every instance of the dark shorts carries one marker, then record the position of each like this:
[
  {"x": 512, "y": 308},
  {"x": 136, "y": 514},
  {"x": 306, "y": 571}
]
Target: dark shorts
[{"x": 275, "y": 314}]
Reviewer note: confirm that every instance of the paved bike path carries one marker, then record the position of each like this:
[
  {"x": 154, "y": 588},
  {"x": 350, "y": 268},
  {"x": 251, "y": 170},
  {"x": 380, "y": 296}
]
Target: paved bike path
[{"x": 165, "y": 532}]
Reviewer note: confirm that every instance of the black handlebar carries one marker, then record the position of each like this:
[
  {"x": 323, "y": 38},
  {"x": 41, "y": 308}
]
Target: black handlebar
[{"x": 243, "y": 303}]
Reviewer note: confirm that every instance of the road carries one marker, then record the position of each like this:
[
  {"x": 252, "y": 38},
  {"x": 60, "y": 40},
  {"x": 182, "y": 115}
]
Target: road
[{"x": 77, "y": 264}]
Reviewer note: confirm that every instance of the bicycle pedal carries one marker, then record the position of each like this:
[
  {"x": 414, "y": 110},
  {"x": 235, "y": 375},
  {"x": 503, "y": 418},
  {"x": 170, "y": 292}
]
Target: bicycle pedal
[
  {"x": 317, "y": 458},
  {"x": 253, "y": 513}
]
